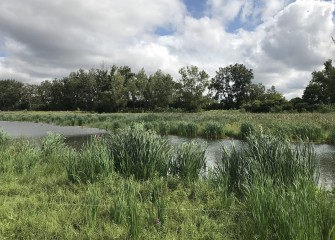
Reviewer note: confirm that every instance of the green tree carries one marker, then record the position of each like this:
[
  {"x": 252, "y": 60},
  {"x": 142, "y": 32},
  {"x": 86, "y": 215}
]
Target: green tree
[
  {"x": 231, "y": 84},
  {"x": 10, "y": 94},
  {"x": 160, "y": 90},
  {"x": 192, "y": 86},
  {"x": 321, "y": 88}
]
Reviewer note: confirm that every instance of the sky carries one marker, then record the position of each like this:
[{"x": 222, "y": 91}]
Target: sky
[{"x": 283, "y": 41}]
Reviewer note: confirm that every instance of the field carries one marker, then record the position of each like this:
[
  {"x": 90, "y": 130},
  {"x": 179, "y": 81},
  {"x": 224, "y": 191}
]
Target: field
[
  {"x": 313, "y": 127},
  {"x": 133, "y": 185}
]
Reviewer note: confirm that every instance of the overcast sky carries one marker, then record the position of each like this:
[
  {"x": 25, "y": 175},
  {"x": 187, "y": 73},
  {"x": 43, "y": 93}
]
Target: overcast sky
[{"x": 283, "y": 41}]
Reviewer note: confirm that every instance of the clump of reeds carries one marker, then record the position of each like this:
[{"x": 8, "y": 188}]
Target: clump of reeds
[
  {"x": 299, "y": 211},
  {"x": 19, "y": 157},
  {"x": 246, "y": 129},
  {"x": 189, "y": 161},
  {"x": 140, "y": 153},
  {"x": 213, "y": 130},
  {"x": 53, "y": 143},
  {"x": 92, "y": 162},
  {"x": 267, "y": 156},
  {"x": 4, "y": 139}
]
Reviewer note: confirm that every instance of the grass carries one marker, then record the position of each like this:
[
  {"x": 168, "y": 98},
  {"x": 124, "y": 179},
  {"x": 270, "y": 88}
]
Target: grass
[
  {"x": 112, "y": 188},
  {"x": 315, "y": 127}
]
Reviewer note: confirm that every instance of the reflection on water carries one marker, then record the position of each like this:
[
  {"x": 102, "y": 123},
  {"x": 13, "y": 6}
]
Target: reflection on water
[
  {"x": 325, "y": 154},
  {"x": 37, "y": 130}
]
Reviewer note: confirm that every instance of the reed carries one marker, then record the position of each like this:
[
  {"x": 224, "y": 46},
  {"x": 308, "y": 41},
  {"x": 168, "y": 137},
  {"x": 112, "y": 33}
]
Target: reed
[
  {"x": 297, "y": 212},
  {"x": 213, "y": 130},
  {"x": 90, "y": 164},
  {"x": 189, "y": 162},
  {"x": 266, "y": 156},
  {"x": 52, "y": 144},
  {"x": 92, "y": 204},
  {"x": 139, "y": 153}
]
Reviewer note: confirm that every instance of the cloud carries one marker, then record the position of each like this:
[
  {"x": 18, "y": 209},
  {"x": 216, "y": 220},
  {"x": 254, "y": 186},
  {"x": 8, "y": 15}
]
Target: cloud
[{"x": 286, "y": 41}]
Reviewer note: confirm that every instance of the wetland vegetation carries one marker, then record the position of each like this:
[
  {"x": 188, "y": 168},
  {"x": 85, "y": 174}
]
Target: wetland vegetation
[{"x": 131, "y": 183}]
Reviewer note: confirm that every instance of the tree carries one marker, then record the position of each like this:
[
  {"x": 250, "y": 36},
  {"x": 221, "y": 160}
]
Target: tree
[
  {"x": 159, "y": 91},
  {"x": 192, "y": 86},
  {"x": 321, "y": 89},
  {"x": 10, "y": 94},
  {"x": 231, "y": 84}
]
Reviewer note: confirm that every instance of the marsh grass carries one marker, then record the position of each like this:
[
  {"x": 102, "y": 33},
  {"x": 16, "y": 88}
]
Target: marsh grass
[
  {"x": 267, "y": 156},
  {"x": 189, "y": 162},
  {"x": 139, "y": 153},
  {"x": 213, "y": 130},
  {"x": 92, "y": 204},
  {"x": 297, "y": 212},
  {"x": 93, "y": 162}
]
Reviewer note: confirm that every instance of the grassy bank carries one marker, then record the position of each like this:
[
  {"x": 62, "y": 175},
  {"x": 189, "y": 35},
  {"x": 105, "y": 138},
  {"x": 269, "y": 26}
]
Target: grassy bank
[
  {"x": 316, "y": 127},
  {"x": 133, "y": 185}
]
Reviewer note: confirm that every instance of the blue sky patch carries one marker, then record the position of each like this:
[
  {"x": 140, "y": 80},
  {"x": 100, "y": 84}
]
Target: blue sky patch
[
  {"x": 196, "y": 8},
  {"x": 164, "y": 30}
]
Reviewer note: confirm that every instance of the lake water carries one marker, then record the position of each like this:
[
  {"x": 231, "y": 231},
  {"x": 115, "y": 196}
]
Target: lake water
[
  {"x": 324, "y": 152},
  {"x": 76, "y": 136}
]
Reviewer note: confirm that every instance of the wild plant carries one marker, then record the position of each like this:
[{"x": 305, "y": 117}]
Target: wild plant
[
  {"x": 139, "y": 153},
  {"x": 53, "y": 143},
  {"x": 266, "y": 156},
  {"x": 92, "y": 206},
  {"x": 298, "y": 211},
  {"x": 189, "y": 161},
  {"x": 92, "y": 162},
  {"x": 213, "y": 130}
]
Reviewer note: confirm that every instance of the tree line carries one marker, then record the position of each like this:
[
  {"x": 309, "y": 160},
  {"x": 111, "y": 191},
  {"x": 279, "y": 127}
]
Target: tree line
[{"x": 120, "y": 89}]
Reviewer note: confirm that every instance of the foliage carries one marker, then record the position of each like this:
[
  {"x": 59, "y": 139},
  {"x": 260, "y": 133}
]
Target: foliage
[
  {"x": 189, "y": 161},
  {"x": 232, "y": 83},
  {"x": 139, "y": 153},
  {"x": 90, "y": 164}
]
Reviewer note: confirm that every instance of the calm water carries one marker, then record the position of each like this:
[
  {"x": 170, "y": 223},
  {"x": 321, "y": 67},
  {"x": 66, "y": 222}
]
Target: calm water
[
  {"x": 76, "y": 136},
  {"x": 325, "y": 154}
]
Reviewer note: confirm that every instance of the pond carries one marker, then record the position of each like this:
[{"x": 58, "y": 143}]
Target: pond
[
  {"x": 324, "y": 152},
  {"x": 76, "y": 136}
]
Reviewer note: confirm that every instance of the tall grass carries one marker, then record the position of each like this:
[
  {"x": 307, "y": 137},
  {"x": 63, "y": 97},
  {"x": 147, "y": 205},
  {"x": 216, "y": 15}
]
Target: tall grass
[
  {"x": 189, "y": 161},
  {"x": 18, "y": 156},
  {"x": 267, "y": 156},
  {"x": 91, "y": 163},
  {"x": 139, "y": 153},
  {"x": 298, "y": 212}
]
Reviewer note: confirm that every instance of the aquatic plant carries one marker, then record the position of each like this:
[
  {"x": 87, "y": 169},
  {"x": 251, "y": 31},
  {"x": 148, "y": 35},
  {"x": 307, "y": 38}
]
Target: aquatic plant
[
  {"x": 189, "y": 161},
  {"x": 91, "y": 163},
  {"x": 139, "y": 153}
]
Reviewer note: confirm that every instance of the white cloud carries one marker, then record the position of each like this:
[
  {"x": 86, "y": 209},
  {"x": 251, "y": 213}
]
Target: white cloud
[{"x": 51, "y": 38}]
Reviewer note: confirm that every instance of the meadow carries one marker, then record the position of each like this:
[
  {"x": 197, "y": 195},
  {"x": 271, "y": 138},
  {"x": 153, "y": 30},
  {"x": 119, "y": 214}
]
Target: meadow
[
  {"x": 312, "y": 127},
  {"x": 131, "y": 184}
]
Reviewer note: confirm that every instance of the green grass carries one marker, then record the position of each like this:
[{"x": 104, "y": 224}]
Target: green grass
[
  {"x": 315, "y": 127},
  {"x": 112, "y": 188}
]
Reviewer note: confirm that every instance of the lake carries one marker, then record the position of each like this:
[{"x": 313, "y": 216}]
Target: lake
[{"x": 76, "y": 136}]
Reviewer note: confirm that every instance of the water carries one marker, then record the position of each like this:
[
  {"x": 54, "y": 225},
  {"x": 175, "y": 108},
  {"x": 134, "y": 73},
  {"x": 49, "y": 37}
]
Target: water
[
  {"x": 324, "y": 152},
  {"x": 76, "y": 136}
]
